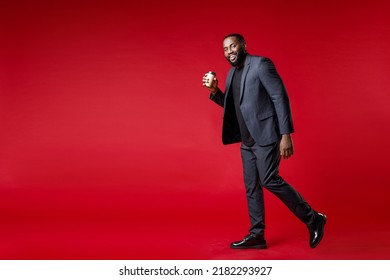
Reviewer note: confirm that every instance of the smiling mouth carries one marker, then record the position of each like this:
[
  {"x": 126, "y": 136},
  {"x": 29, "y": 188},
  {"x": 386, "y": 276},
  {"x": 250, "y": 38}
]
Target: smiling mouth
[{"x": 232, "y": 58}]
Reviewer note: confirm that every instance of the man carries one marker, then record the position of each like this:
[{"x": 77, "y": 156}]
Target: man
[{"x": 257, "y": 114}]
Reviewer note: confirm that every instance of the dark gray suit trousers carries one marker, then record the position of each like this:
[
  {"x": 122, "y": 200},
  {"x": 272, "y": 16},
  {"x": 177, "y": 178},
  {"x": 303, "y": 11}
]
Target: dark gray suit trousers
[{"x": 261, "y": 169}]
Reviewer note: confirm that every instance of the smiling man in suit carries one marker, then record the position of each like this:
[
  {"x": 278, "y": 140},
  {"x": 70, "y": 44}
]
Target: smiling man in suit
[{"x": 257, "y": 114}]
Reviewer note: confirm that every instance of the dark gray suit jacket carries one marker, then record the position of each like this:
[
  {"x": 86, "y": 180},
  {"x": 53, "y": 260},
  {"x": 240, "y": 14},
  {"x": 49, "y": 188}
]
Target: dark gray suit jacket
[{"x": 263, "y": 101}]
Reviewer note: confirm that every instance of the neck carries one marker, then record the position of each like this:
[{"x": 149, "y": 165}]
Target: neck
[{"x": 242, "y": 63}]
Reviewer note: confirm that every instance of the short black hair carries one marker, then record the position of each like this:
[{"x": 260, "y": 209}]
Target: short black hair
[{"x": 239, "y": 37}]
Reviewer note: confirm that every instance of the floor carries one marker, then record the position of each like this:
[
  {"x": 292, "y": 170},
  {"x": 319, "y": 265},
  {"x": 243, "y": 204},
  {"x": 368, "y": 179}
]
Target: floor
[{"x": 86, "y": 226}]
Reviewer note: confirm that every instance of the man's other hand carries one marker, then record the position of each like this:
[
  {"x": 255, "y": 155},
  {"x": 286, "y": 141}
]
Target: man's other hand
[{"x": 286, "y": 146}]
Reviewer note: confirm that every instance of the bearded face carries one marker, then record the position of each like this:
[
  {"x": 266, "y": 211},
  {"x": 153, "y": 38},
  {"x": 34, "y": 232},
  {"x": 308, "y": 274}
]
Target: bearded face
[{"x": 234, "y": 51}]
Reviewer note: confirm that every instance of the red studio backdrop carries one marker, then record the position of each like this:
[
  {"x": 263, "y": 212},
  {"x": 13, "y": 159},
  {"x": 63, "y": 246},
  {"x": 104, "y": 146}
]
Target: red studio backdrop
[{"x": 110, "y": 148}]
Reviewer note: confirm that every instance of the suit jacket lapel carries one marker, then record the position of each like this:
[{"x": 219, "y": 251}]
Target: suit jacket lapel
[
  {"x": 244, "y": 73},
  {"x": 229, "y": 81}
]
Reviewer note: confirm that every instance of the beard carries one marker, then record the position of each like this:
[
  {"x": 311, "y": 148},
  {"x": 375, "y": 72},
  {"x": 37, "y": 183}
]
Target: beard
[{"x": 241, "y": 54}]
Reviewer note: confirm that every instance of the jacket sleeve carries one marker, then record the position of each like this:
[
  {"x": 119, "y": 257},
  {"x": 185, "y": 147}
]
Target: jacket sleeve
[
  {"x": 274, "y": 86},
  {"x": 218, "y": 97}
]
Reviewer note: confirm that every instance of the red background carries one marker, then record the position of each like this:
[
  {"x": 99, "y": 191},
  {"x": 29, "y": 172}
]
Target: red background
[{"x": 110, "y": 148}]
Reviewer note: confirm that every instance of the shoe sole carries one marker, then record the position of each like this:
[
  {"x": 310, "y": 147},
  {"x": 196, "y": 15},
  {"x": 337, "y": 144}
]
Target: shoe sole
[
  {"x": 320, "y": 237},
  {"x": 250, "y": 247}
]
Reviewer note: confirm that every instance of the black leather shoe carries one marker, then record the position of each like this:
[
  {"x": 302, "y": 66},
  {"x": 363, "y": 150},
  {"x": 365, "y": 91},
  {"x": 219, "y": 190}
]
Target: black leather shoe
[
  {"x": 250, "y": 242},
  {"x": 316, "y": 230}
]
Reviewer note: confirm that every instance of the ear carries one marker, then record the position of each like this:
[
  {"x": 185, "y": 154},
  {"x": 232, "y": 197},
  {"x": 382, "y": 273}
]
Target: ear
[{"x": 244, "y": 46}]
